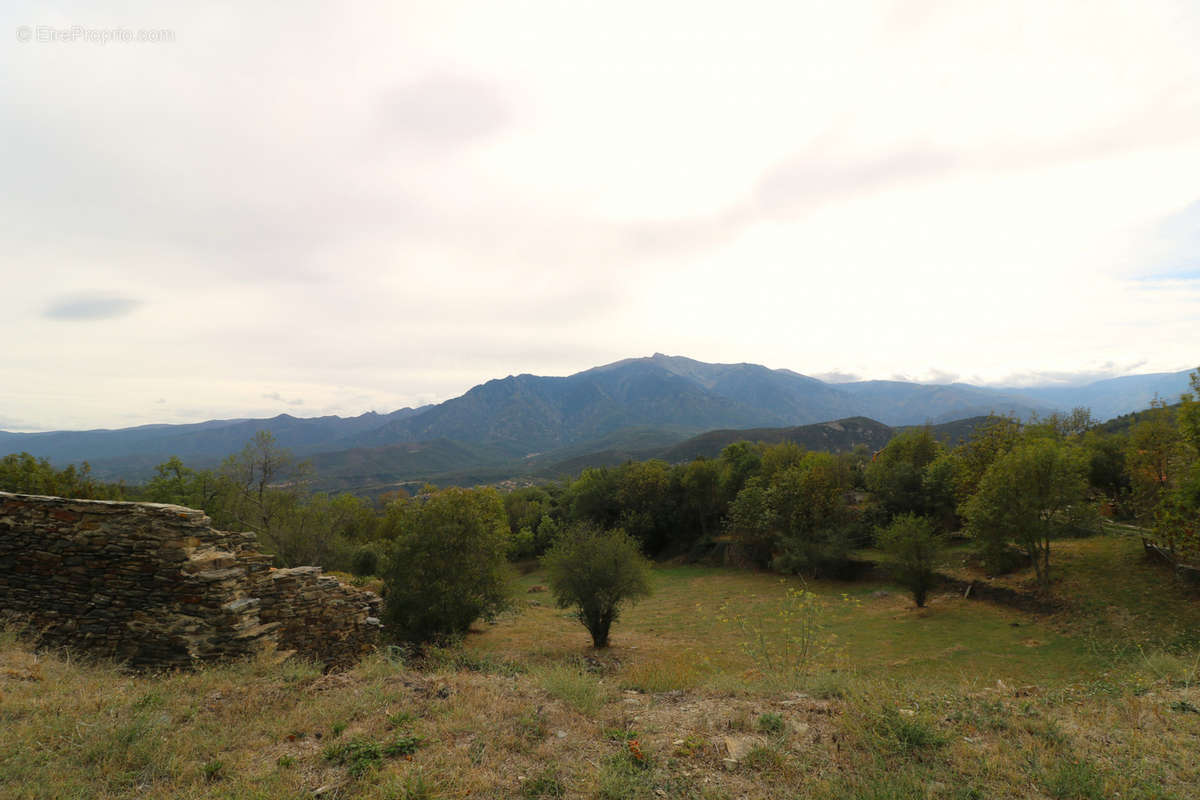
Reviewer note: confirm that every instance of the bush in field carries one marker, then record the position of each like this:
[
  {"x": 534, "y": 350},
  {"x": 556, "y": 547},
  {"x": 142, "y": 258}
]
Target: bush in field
[
  {"x": 1030, "y": 496},
  {"x": 814, "y": 521},
  {"x": 596, "y": 571},
  {"x": 365, "y": 562},
  {"x": 448, "y": 564},
  {"x": 915, "y": 548}
]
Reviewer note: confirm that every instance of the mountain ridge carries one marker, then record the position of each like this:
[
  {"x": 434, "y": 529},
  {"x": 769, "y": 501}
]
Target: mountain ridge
[{"x": 525, "y": 414}]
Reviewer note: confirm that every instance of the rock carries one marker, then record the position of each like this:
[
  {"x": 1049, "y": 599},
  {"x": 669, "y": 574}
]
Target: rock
[
  {"x": 738, "y": 746},
  {"x": 156, "y": 586}
]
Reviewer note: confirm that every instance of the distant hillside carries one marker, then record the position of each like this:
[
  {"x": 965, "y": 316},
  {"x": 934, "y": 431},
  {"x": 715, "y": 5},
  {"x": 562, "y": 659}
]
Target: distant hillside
[
  {"x": 546, "y": 421},
  {"x": 840, "y": 436},
  {"x": 836, "y": 437},
  {"x": 1115, "y": 396}
]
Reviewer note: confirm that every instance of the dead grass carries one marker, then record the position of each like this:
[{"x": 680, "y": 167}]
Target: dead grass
[{"x": 960, "y": 701}]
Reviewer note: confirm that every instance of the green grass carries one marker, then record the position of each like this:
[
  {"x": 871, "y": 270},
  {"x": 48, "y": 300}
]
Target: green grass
[
  {"x": 962, "y": 700},
  {"x": 676, "y": 639}
]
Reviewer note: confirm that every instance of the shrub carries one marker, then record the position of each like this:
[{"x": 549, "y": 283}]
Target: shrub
[
  {"x": 365, "y": 562},
  {"x": 904, "y": 733},
  {"x": 574, "y": 687},
  {"x": 596, "y": 571},
  {"x": 770, "y": 723},
  {"x": 782, "y": 642},
  {"x": 546, "y": 784},
  {"x": 915, "y": 548},
  {"x": 448, "y": 566}
]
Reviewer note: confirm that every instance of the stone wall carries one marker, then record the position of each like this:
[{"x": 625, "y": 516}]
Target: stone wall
[{"x": 156, "y": 586}]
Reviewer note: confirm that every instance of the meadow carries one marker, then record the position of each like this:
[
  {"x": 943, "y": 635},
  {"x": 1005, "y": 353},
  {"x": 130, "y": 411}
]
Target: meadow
[{"x": 963, "y": 699}]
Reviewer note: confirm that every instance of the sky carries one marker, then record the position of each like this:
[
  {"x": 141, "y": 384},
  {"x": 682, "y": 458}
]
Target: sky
[{"x": 246, "y": 209}]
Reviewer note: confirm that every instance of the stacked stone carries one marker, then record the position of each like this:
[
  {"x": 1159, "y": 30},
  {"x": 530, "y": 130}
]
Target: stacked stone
[
  {"x": 156, "y": 586},
  {"x": 318, "y": 615}
]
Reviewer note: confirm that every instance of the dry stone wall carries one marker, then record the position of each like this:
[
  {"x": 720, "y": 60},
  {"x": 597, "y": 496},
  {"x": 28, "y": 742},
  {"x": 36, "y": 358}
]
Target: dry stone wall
[{"x": 157, "y": 586}]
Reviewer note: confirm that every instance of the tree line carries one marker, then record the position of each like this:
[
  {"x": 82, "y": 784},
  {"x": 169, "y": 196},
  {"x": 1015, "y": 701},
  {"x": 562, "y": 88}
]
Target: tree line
[{"x": 1011, "y": 488}]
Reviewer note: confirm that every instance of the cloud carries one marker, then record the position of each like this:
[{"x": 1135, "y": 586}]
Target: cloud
[
  {"x": 9, "y": 424},
  {"x": 443, "y": 111},
  {"x": 280, "y": 399},
  {"x": 87, "y": 308},
  {"x": 1057, "y": 378},
  {"x": 837, "y": 376},
  {"x": 814, "y": 177}
]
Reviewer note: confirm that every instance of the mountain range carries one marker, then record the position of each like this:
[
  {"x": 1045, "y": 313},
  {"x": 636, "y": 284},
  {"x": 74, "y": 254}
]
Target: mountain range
[{"x": 627, "y": 408}]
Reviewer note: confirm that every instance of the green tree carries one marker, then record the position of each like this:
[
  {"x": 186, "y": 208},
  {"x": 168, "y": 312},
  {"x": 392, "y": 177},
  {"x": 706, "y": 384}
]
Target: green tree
[
  {"x": 1155, "y": 457},
  {"x": 180, "y": 485},
  {"x": 448, "y": 564},
  {"x": 24, "y": 474},
  {"x": 1031, "y": 496},
  {"x": 896, "y": 476},
  {"x": 262, "y": 489},
  {"x": 649, "y": 505},
  {"x": 999, "y": 435},
  {"x": 703, "y": 504},
  {"x": 740, "y": 462},
  {"x": 1107, "y": 471},
  {"x": 813, "y": 518},
  {"x": 752, "y": 526},
  {"x": 596, "y": 572},
  {"x": 592, "y": 497},
  {"x": 915, "y": 548}
]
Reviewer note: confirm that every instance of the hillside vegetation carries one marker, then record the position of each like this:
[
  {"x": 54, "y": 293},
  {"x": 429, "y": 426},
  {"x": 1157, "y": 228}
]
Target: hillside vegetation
[
  {"x": 1005, "y": 616},
  {"x": 599, "y": 411},
  {"x": 962, "y": 700}
]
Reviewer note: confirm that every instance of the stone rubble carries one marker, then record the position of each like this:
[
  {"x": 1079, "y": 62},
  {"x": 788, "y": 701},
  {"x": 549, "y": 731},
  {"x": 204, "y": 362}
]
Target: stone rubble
[{"x": 156, "y": 586}]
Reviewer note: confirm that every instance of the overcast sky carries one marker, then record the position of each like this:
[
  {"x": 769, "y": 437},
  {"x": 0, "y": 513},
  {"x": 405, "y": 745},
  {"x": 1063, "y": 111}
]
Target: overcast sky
[{"x": 312, "y": 209}]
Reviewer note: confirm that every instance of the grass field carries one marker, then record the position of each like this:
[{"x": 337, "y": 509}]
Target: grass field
[{"x": 960, "y": 700}]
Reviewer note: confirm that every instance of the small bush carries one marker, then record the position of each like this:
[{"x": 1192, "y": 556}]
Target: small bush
[
  {"x": 624, "y": 776},
  {"x": 783, "y": 644},
  {"x": 1074, "y": 780},
  {"x": 915, "y": 549},
  {"x": 416, "y": 787},
  {"x": 531, "y": 726},
  {"x": 365, "y": 562},
  {"x": 905, "y": 734},
  {"x": 359, "y": 755},
  {"x": 545, "y": 784},
  {"x": 762, "y": 758},
  {"x": 574, "y": 687},
  {"x": 597, "y": 572},
  {"x": 402, "y": 746},
  {"x": 770, "y": 723},
  {"x": 448, "y": 564}
]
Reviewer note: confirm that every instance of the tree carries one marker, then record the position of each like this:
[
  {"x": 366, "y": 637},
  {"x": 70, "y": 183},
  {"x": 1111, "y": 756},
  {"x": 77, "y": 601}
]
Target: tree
[
  {"x": 702, "y": 500},
  {"x": 915, "y": 547},
  {"x": 813, "y": 519},
  {"x": 1155, "y": 458},
  {"x": 180, "y": 485},
  {"x": 999, "y": 435},
  {"x": 263, "y": 486},
  {"x": 596, "y": 571},
  {"x": 649, "y": 504},
  {"x": 896, "y": 475},
  {"x": 751, "y": 524},
  {"x": 448, "y": 564},
  {"x": 1031, "y": 496},
  {"x": 24, "y": 474}
]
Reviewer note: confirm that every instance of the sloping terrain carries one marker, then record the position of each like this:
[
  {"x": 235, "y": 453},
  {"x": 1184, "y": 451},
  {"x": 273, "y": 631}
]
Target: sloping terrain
[{"x": 548, "y": 420}]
